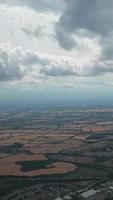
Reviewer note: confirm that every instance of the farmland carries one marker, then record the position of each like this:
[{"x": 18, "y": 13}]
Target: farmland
[{"x": 69, "y": 143}]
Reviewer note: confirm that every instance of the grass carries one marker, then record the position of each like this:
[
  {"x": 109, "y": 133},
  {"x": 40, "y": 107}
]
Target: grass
[{"x": 87, "y": 172}]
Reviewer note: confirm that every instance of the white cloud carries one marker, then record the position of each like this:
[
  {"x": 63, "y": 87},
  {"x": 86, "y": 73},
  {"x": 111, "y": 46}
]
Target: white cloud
[
  {"x": 19, "y": 64},
  {"x": 10, "y": 63}
]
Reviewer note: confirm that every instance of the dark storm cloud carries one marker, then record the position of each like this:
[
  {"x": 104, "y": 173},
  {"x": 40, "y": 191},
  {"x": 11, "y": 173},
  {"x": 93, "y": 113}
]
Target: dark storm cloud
[
  {"x": 92, "y": 15},
  {"x": 65, "y": 39}
]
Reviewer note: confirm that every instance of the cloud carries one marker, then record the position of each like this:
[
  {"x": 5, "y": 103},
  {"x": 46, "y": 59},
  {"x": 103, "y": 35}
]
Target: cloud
[
  {"x": 37, "y": 5},
  {"x": 9, "y": 69},
  {"x": 38, "y": 32},
  {"x": 102, "y": 67},
  {"x": 93, "y": 16},
  {"x": 69, "y": 85},
  {"x": 107, "y": 46},
  {"x": 65, "y": 40},
  {"x": 58, "y": 70},
  {"x": 17, "y": 64}
]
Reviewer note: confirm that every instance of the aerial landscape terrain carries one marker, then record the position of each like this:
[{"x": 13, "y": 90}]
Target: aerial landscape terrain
[
  {"x": 56, "y": 99},
  {"x": 46, "y": 147}
]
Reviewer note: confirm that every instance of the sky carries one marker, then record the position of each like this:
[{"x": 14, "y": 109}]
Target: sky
[{"x": 56, "y": 52}]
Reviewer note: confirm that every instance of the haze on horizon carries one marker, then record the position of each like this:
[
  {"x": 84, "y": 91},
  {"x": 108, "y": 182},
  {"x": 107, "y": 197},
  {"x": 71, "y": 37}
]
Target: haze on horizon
[{"x": 56, "y": 52}]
